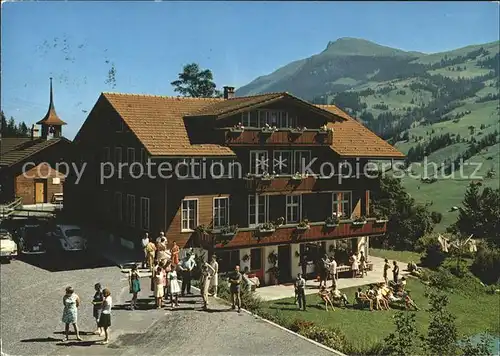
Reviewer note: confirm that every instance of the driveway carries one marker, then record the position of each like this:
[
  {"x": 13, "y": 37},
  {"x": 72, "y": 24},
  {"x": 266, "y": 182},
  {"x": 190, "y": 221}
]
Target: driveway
[{"x": 31, "y": 308}]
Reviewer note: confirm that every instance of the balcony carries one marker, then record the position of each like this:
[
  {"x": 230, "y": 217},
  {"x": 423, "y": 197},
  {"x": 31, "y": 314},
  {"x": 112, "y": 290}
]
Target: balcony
[
  {"x": 285, "y": 234},
  {"x": 256, "y": 136},
  {"x": 280, "y": 183}
]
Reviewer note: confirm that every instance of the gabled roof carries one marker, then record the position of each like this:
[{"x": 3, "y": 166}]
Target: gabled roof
[
  {"x": 51, "y": 118},
  {"x": 8, "y": 144},
  {"x": 158, "y": 122},
  {"x": 352, "y": 139},
  {"x": 234, "y": 106},
  {"x": 27, "y": 150}
]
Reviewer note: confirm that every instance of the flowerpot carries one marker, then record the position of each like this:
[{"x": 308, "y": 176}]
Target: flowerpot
[
  {"x": 302, "y": 228},
  {"x": 268, "y": 231},
  {"x": 331, "y": 226},
  {"x": 358, "y": 223},
  {"x": 381, "y": 221}
]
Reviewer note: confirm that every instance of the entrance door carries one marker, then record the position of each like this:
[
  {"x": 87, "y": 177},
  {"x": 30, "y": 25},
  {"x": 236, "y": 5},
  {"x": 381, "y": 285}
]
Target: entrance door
[
  {"x": 285, "y": 263},
  {"x": 39, "y": 192}
]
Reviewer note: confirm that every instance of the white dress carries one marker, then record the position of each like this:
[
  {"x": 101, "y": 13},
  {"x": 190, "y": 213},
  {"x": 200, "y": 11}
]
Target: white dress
[
  {"x": 173, "y": 284},
  {"x": 215, "y": 278},
  {"x": 355, "y": 266}
]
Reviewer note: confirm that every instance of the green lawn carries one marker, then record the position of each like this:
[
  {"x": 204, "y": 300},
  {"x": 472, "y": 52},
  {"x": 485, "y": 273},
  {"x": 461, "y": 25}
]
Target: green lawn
[
  {"x": 401, "y": 256},
  {"x": 364, "y": 328}
]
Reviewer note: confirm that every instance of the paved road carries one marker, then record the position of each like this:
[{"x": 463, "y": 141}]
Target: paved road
[{"x": 31, "y": 309}]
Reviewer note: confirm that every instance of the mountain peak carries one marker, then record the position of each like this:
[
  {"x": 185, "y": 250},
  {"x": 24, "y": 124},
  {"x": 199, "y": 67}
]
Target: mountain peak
[{"x": 350, "y": 46}]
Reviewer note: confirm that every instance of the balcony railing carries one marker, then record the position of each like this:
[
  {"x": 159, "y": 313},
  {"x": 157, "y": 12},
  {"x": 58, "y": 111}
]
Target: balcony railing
[
  {"x": 317, "y": 231},
  {"x": 255, "y": 136},
  {"x": 280, "y": 183}
]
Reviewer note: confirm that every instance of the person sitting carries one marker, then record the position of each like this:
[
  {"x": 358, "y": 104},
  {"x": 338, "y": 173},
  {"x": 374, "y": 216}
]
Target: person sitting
[
  {"x": 409, "y": 302},
  {"x": 362, "y": 298},
  {"x": 325, "y": 297},
  {"x": 413, "y": 268},
  {"x": 381, "y": 302},
  {"x": 337, "y": 296},
  {"x": 402, "y": 283}
]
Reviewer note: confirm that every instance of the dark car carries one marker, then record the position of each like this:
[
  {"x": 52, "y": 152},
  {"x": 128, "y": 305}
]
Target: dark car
[{"x": 32, "y": 240}]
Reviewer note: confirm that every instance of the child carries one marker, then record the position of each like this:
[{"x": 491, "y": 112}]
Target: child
[{"x": 97, "y": 302}]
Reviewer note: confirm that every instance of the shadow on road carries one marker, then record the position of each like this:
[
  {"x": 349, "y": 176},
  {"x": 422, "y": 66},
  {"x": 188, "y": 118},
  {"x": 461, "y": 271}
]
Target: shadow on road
[
  {"x": 42, "y": 339},
  {"x": 66, "y": 261}
]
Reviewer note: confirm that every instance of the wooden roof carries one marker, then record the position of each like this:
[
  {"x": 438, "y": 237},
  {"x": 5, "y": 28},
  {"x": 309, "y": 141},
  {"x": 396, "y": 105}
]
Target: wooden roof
[
  {"x": 27, "y": 149},
  {"x": 158, "y": 122}
]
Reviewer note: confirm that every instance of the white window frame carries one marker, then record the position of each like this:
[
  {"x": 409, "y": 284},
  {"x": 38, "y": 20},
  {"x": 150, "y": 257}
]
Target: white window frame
[
  {"x": 294, "y": 205},
  {"x": 297, "y": 162},
  {"x": 289, "y": 164},
  {"x": 338, "y": 205},
  {"x": 187, "y": 164},
  {"x": 256, "y": 221},
  {"x": 145, "y": 223},
  {"x": 118, "y": 200},
  {"x": 131, "y": 209},
  {"x": 256, "y": 169},
  {"x": 216, "y": 212},
  {"x": 188, "y": 218}
]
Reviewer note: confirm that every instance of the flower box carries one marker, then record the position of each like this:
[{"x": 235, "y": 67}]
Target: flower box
[
  {"x": 358, "y": 223},
  {"x": 266, "y": 231},
  {"x": 297, "y": 178},
  {"x": 303, "y": 228},
  {"x": 381, "y": 221},
  {"x": 331, "y": 226},
  {"x": 228, "y": 234},
  {"x": 236, "y": 130}
]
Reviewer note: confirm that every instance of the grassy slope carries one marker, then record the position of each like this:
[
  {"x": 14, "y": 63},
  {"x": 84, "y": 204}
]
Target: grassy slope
[{"x": 364, "y": 328}]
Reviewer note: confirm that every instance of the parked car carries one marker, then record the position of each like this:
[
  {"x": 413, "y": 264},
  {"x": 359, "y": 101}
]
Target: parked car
[
  {"x": 70, "y": 238},
  {"x": 8, "y": 246},
  {"x": 32, "y": 240}
]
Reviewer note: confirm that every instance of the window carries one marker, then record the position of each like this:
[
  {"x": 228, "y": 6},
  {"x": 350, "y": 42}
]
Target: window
[
  {"x": 302, "y": 159},
  {"x": 227, "y": 260},
  {"x": 292, "y": 121},
  {"x": 262, "y": 118},
  {"x": 189, "y": 168},
  {"x": 145, "y": 213},
  {"x": 130, "y": 156},
  {"x": 119, "y": 125},
  {"x": 341, "y": 203},
  {"x": 189, "y": 218},
  {"x": 293, "y": 208},
  {"x": 118, "y": 206},
  {"x": 130, "y": 209},
  {"x": 221, "y": 212},
  {"x": 258, "y": 209},
  {"x": 106, "y": 154},
  {"x": 259, "y": 162},
  {"x": 273, "y": 118},
  {"x": 282, "y": 162},
  {"x": 255, "y": 259},
  {"x": 118, "y": 155}
]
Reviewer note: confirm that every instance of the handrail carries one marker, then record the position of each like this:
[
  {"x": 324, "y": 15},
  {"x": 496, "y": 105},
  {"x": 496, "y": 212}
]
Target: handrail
[{"x": 7, "y": 210}]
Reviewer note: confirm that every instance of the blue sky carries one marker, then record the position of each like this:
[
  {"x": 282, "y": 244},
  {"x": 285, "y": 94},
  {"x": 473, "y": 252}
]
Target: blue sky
[{"x": 149, "y": 42}]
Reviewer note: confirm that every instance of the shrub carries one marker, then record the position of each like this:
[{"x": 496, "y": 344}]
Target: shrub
[
  {"x": 299, "y": 325},
  {"x": 331, "y": 337},
  {"x": 433, "y": 256},
  {"x": 486, "y": 265},
  {"x": 249, "y": 300},
  {"x": 436, "y": 217}
]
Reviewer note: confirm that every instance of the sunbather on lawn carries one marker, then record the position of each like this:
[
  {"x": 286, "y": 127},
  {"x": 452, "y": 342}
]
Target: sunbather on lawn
[
  {"x": 325, "y": 297},
  {"x": 362, "y": 299}
]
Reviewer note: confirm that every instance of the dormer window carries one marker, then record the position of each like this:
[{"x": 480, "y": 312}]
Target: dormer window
[{"x": 273, "y": 118}]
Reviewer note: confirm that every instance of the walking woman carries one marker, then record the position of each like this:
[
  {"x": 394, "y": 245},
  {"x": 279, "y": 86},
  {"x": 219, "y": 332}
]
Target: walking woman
[
  {"x": 97, "y": 303},
  {"x": 159, "y": 291},
  {"x": 150, "y": 255},
  {"x": 71, "y": 302},
  {"x": 105, "y": 319},
  {"x": 175, "y": 254},
  {"x": 173, "y": 286},
  {"x": 135, "y": 286},
  {"x": 354, "y": 265}
]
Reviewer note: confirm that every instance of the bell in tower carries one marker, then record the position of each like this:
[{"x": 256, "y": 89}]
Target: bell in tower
[{"x": 51, "y": 123}]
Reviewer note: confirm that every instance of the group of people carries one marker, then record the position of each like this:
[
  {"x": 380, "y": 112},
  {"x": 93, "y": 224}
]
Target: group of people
[
  {"x": 156, "y": 251},
  {"x": 328, "y": 267},
  {"x": 102, "y": 304},
  {"x": 381, "y": 296}
]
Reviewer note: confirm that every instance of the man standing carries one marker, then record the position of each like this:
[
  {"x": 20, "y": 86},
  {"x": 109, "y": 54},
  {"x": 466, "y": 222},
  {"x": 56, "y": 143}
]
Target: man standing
[
  {"x": 395, "y": 272},
  {"x": 333, "y": 270},
  {"x": 235, "y": 281},
  {"x": 144, "y": 244},
  {"x": 387, "y": 267},
  {"x": 300, "y": 286},
  {"x": 215, "y": 278},
  {"x": 187, "y": 268},
  {"x": 159, "y": 238},
  {"x": 206, "y": 275},
  {"x": 323, "y": 270},
  {"x": 362, "y": 264}
]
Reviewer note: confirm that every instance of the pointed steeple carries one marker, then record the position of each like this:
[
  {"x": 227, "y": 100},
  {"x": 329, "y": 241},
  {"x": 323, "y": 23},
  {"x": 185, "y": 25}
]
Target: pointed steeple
[{"x": 51, "y": 123}]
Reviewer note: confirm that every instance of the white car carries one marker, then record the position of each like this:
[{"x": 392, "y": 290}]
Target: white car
[
  {"x": 7, "y": 245},
  {"x": 70, "y": 237}
]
